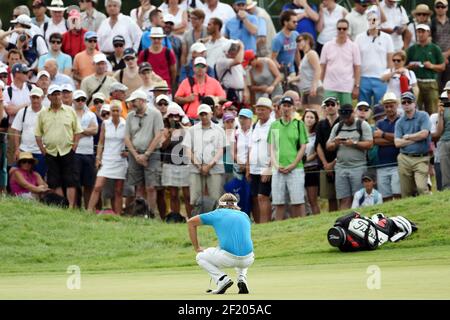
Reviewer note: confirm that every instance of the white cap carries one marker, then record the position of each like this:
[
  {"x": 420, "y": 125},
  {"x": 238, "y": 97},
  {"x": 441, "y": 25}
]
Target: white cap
[
  {"x": 423, "y": 27},
  {"x": 23, "y": 19},
  {"x": 37, "y": 92},
  {"x": 100, "y": 57},
  {"x": 3, "y": 68},
  {"x": 117, "y": 86},
  {"x": 42, "y": 73},
  {"x": 389, "y": 97},
  {"x": 53, "y": 88},
  {"x": 99, "y": 95},
  {"x": 105, "y": 107},
  {"x": 264, "y": 102},
  {"x": 198, "y": 47},
  {"x": 447, "y": 86},
  {"x": 251, "y": 4},
  {"x": 174, "y": 108},
  {"x": 162, "y": 97},
  {"x": 200, "y": 60},
  {"x": 67, "y": 87},
  {"x": 157, "y": 32},
  {"x": 169, "y": 18},
  {"x": 444, "y": 95},
  {"x": 79, "y": 94},
  {"x": 204, "y": 108},
  {"x": 138, "y": 94},
  {"x": 362, "y": 103}
]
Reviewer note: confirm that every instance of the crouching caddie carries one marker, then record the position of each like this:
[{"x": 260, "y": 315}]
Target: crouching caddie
[{"x": 233, "y": 230}]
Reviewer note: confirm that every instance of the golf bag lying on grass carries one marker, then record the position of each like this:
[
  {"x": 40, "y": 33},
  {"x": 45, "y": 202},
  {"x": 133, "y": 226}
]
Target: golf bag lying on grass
[{"x": 354, "y": 232}]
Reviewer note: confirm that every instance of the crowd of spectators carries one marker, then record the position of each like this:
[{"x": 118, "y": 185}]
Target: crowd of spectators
[{"x": 176, "y": 103}]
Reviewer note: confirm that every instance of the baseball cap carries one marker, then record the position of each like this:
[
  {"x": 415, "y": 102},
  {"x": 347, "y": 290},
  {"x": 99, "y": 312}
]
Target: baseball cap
[
  {"x": 444, "y": 2},
  {"x": 129, "y": 52},
  {"x": 174, "y": 109},
  {"x": 368, "y": 176},
  {"x": 41, "y": 73},
  {"x": 67, "y": 87},
  {"x": 162, "y": 97},
  {"x": 53, "y": 88},
  {"x": 378, "y": 111},
  {"x": 443, "y": 96},
  {"x": 362, "y": 104},
  {"x": 100, "y": 57},
  {"x": 118, "y": 39},
  {"x": 228, "y": 116},
  {"x": 19, "y": 67},
  {"x": 227, "y": 46},
  {"x": 36, "y": 92},
  {"x": 117, "y": 86},
  {"x": 3, "y": 68},
  {"x": 246, "y": 113},
  {"x": 264, "y": 102},
  {"x": 98, "y": 96},
  {"x": 74, "y": 12},
  {"x": 389, "y": 97},
  {"x": 249, "y": 55},
  {"x": 287, "y": 99},
  {"x": 106, "y": 107},
  {"x": 200, "y": 60},
  {"x": 145, "y": 66},
  {"x": 447, "y": 86},
  {"x": 409, "y": 95},
  {"x": 138, "y": 94},
  {"x": 23, "y": 19},
  {"x": 198, "y": 47},
  {"x": 345, "y": 111},
  {"x": 240, "y": 1},
  {"x": 79, "y": 94},
  {"x": 203, "y": 108},
  {"x": 423, "y": 26},
  {"x": 90, "y": 35}
]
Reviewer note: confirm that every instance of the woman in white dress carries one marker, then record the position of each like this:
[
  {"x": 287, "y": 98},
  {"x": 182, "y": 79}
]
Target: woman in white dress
[
  {"x": 111, "y": 159},
  {"x": 180, "y": 16}
]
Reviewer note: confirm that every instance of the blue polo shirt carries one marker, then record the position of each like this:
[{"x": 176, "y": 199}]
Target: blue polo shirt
[
  {"x": 146, "y": 41},
  {"x": 190, "y": 71},
  {"x": 285, "y": 47},
  {"x": 420, "y": 121},
  {"x": 262, "y": 27},
  {"x": 235, "y": 29},
  {"x": 387, "y": 155},
  {"x": 233, "y": 229},
  {"x": 306, "y": 24}
]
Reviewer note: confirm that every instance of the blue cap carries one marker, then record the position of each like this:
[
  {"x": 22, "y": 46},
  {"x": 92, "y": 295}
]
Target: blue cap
[
  {"x": 90, "y": 35},
  {"x": 19, "y": 67},
  {"x": 246, "y": 113},
  {"x": 378, "y": 111},
  {"x": 409, "y": 95},
  {"x": 240, "y": 1}
]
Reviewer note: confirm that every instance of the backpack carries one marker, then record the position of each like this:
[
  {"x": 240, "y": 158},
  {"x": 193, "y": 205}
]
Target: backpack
[
  {"x": 4, "y": 123},
  {"x": 53, "y": 199},
  {"x": 354, "y": 232},
  {"x": 175, "y": 217},
  {"x": 139, "y": 208},
  {"x": 358, "y": 128}
]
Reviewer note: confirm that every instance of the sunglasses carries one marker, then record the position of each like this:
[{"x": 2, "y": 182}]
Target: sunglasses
[
  {"x": 342, "y": 29},
  {"x": 422, "y": 14},
  {"x": 330, "y": 104},
  {"x": 118, "y": 45},
  {"x": 129, "y": 58},
  {"x": 81, "y": 100},
  {"x": 440, "y": 7},
  {"x": 92, "y": 41},
  {"x": 97, "y": 101},
  {"x": 27, "y": 161},
  {"x": 104, "y": 114},
  {"x": 396, "y": 60},
  {"x": 161, "y": 104},
  {"x": 363, "y": 109},
  {"x": 345, "y": 112},
  {"x": 55, "y": 41},
  {"x": 407, "y": 101}
]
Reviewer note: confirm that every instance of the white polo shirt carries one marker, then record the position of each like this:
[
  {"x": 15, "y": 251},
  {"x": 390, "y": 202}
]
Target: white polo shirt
[
  {"x": 19, "y": 97},
  {"x": 86, "y": 144},
  {"x": 395, "y": 16},
  {"x": 259, "y": 152},
  {"x": 125, "y": 27},
  {"x": 233, "y": 78},
  {"x": 242, "y": 145},
  {"x": 27, "y": 126},
  {"x": 215, "y": 51},
  {"x": 374, "y": 51}
]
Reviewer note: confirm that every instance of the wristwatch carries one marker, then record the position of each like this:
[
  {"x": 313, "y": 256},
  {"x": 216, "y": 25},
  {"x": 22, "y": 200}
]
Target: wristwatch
[{"x": 355, "y": 142}]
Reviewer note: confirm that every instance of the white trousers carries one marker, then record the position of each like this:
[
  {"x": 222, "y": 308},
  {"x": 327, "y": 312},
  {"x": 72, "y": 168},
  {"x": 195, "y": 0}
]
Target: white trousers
[{"x": 214, "y": 259}]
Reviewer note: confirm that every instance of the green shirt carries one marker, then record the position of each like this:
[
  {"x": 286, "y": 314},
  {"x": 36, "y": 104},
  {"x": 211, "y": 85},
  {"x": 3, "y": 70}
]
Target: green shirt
[
  {"x": 58, "y": 129},
  {"x": 287, "y": 139},
  {"x": 430, "y": 52}
]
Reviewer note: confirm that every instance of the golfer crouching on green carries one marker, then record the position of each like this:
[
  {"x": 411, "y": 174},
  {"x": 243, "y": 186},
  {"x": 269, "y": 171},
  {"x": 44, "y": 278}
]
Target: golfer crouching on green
[{"x": 233, "y": 229}]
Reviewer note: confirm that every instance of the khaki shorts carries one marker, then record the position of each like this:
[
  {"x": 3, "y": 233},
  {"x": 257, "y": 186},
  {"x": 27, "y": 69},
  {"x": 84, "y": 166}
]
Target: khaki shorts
[{"x": 327, "y": 188}]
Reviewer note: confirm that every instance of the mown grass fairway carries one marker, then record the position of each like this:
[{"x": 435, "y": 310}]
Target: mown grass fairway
[{"x": 122, "y": 258}]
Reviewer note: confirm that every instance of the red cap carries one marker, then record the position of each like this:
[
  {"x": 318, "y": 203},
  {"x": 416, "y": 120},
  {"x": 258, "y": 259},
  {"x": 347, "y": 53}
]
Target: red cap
[{"x": 249, "y": 55}]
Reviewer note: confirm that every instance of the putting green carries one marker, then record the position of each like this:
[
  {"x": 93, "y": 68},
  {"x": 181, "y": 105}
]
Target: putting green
[{"x": 398, "y": 280}]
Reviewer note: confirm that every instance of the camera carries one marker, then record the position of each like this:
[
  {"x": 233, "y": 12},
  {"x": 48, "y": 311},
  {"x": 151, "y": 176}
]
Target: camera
[
  {"x": 445, "y": 102},
  {"x": 22, "y": 38}
]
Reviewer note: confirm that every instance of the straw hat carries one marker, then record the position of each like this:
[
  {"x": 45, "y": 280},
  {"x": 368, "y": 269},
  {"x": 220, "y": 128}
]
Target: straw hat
[
  {"x": 422, "y": 8},
  {"x": 26, "y": 156}
]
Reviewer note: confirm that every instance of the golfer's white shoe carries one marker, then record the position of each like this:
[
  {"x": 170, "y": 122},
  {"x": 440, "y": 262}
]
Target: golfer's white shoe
[
  {"x": 222, "y": 285},
  {"x": 243, "y": 286}
]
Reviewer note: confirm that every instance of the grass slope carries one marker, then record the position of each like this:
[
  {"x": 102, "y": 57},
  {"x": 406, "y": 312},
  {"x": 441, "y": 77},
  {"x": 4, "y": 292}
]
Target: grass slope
[{"x": 34, "y": 239}]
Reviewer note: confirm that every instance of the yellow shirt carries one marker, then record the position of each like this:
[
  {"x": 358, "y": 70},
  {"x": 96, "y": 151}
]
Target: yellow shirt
[{"x": 58, "y": 129}]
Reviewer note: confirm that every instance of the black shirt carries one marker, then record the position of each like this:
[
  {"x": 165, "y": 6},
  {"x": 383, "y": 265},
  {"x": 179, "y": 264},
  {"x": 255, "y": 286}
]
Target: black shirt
[{"x": 323, "y": 131}]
